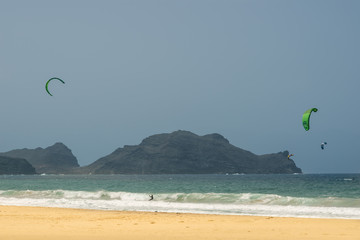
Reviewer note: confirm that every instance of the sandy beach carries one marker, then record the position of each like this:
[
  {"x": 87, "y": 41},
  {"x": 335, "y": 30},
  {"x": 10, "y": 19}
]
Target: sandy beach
[{"x": 58, "y": 223}]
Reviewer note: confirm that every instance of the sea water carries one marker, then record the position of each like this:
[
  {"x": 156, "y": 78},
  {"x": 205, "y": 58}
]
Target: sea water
[{"x": 302, "y": 195}]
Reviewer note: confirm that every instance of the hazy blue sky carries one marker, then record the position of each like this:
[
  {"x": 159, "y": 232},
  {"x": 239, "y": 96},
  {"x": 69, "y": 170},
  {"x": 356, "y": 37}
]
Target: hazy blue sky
[{"x": 244, "y": 69}]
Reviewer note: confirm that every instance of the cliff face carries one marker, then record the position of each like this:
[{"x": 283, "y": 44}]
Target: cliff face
[
  {"x": 185, "y": 152},
  {"x": 10, "y": 165},
  {"x": 54, "y": 159}
]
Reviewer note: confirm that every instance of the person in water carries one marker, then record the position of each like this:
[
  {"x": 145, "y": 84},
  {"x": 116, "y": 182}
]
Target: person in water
[{"x": 151, "y": 197}]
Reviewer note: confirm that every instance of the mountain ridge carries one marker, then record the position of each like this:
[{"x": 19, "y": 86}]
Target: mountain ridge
[
  {"x": 55, "y": 159},
  {"x": 183, "y": 152},
  {"x": 179, "y": 152}
]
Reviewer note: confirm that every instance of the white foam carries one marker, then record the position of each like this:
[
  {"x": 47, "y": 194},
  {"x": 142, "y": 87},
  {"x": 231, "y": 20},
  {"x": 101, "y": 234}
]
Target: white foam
[{"x": 139, "y": 202}]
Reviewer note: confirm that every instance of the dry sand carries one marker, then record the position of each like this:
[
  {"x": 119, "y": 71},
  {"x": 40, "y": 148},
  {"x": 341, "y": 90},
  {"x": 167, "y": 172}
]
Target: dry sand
[{"x": 57, "y": 223}]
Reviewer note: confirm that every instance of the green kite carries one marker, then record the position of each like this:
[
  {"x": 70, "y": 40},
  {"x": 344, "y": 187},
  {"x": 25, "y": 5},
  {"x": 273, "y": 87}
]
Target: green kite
[
  {"x": 306, "y": 118},
  {"x": 47, "y": 83}
]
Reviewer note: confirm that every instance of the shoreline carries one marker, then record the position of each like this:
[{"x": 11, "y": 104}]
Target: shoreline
[
  {"x": 19, "y": 222},
  {"x": 179, "y": 212}
]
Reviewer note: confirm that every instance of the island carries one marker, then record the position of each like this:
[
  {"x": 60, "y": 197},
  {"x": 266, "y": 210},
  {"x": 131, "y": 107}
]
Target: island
[
  {"x": 179, "y": 152},
  {"x": 183, "y": 152}
]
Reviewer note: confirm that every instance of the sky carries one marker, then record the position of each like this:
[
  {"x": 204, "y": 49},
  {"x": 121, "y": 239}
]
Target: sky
[{"x": 246, "y": 69}]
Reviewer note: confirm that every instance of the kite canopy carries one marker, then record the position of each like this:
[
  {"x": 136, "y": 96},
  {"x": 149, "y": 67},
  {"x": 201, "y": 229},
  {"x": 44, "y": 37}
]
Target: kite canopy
[
  {"x": 306, "y": 118},
  {"x": 47, "y": 83}
]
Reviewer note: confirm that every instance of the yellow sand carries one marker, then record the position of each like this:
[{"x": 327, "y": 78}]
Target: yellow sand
[{"x": 57, "y": 223}]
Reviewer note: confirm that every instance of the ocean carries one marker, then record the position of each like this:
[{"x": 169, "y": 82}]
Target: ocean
[{"x": 280, "y": 195}]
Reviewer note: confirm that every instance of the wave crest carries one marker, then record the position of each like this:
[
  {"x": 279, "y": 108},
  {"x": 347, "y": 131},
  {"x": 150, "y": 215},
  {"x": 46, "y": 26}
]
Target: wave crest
[{"x": 206, "y": 198}]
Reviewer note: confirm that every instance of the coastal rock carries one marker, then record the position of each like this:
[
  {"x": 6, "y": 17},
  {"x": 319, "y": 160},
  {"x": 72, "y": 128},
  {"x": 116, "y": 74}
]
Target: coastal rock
[
  {"x": 54, "y": 159},
  {"x": 10, "y": 165},
  {"x": 183, "y": 152}
]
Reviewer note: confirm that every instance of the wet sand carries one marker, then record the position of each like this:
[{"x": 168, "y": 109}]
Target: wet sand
[{"x": 58, "y": 223}]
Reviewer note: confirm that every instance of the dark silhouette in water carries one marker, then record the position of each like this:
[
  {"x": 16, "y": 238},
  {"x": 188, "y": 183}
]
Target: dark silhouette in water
[{"x": 151, "y": 197}]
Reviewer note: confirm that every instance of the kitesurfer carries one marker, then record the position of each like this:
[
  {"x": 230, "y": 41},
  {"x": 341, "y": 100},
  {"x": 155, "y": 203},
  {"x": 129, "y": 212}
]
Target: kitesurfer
[{"x": 151, "y": 197}]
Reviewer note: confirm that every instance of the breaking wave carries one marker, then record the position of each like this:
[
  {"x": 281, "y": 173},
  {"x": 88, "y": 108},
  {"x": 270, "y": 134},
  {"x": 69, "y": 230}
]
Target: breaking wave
[{"x": 211, "y": 203}]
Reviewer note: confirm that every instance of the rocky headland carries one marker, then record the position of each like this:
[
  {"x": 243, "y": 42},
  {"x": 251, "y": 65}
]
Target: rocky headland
[
  {"x": 179, "y": 152},
  {"x": 55, "y": 159},
  {"x": 184, "y": 152}
]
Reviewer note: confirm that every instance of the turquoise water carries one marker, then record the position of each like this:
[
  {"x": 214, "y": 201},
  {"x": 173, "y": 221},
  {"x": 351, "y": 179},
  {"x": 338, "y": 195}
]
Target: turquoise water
[{"x": 303, "y": 195}]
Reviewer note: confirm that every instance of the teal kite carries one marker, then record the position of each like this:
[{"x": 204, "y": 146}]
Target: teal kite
[
  {"x": 306, "y": 118},
  {"x": 47, "y": 83}
]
